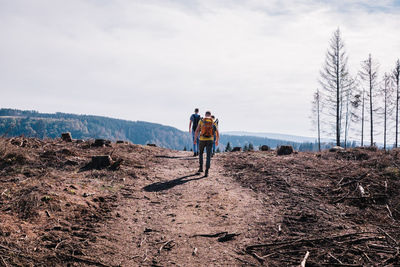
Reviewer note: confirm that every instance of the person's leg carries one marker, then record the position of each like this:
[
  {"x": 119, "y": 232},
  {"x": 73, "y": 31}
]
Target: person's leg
[
  {"x": 195, "y": 146},
  {"x": 213, "y": 146},
  {"x": 201, "y": 150},
  {"x": 198, "y": 144},
  {"x": 209, "y": 150}
]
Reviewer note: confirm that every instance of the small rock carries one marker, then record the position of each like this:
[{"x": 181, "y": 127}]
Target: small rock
[
  {"x": 153, "y": 145},
  {"x": 264, "y": 148}
]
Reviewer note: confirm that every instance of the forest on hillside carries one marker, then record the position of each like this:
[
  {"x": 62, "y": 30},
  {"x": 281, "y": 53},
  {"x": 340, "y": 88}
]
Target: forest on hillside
[
  {"x": 41, "y": 125},
  {"x": 15, "y": 122}
]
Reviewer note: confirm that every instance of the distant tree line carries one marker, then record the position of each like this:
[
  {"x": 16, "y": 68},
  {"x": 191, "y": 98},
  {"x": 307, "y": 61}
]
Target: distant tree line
[
  {"x": 34, "y": 124},
  {"x": 355, "y": 106},
  {"x": 40, "y": 125}
]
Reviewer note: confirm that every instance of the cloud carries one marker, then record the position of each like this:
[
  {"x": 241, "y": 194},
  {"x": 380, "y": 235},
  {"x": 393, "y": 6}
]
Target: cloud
[{"x": 254, "y": 63}]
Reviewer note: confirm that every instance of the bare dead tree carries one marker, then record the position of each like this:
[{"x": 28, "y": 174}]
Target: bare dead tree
[
  {"x": 316, "y": 110},
  {"x": 334, "y": 79},
  {"x": 351, "y": 104},
  {"x": 396, "y": 76},
  {"x": 363, "y": 95},
  {"x": 356, "y": 104},
  {"x": 387, "y": 92},
  {"x": 369, "y": 74}
]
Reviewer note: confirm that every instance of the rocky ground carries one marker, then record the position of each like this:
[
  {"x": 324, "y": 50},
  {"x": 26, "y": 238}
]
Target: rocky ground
[{"x": 146, "y": 206}]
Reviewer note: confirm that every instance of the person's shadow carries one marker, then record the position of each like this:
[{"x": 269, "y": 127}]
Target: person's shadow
[{"x": 160, "y": 186}]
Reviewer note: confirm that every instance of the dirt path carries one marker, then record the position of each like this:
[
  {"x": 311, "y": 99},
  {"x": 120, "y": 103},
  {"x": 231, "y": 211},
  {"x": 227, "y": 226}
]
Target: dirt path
[{"x": 159, "y": 216}]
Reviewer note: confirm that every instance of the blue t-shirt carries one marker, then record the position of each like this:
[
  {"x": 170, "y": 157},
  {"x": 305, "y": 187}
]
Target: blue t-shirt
[{"x": 195, "y": 118}]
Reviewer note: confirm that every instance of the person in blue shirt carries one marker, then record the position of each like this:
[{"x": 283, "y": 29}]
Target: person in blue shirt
[{"x": 194, "y": 121}]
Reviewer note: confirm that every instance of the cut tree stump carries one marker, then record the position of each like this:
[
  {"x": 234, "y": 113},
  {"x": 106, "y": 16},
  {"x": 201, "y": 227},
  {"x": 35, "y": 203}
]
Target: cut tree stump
[
  {"x": 100, "y": 162},
  {"x": 284, "y": 150},
  {"x": 101, "y": 143},
  {"x": 67, "y": 137},
  {"x": 264, "y": 148},
  {"x": 336, "y": 149}
]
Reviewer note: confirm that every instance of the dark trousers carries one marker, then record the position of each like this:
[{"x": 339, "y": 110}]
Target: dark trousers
[{"x": 208, "y": 146}]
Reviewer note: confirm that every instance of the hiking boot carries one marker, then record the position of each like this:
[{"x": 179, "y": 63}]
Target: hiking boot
[
  {"x": 200, "y": 170},
  {"x": 206, "y": 173}
]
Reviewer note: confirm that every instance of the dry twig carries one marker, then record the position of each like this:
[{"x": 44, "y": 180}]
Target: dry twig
[
  {"x": 165, "y": 244},
  {"x": 303, "y": 262}
]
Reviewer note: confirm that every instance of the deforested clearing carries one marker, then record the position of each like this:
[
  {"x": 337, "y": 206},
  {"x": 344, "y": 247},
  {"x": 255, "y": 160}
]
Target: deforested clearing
[{"x": 146, "y": 206}]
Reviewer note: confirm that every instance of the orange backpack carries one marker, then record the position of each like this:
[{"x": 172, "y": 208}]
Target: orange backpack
[{"x": 207, "y": 127}]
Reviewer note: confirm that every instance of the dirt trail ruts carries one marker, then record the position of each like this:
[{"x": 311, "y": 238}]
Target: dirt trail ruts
[{"x": 159, "y": 215}]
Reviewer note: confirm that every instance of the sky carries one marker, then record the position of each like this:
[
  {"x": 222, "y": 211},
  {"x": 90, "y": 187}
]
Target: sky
[{"x": 254, "y": 64}]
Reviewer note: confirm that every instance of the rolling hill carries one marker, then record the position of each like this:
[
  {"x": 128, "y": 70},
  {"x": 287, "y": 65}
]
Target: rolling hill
[{"x": 15, "y": 122}]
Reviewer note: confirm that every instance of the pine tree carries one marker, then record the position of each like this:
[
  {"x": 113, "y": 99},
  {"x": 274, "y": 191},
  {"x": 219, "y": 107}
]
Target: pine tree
[
  {"x": 369, "y": 74},
  {"x": 185, "y": 149},
  {"x": 351, "y": 105},
  {"x": 245, "y": 148},
  {"x": 251, "y": 147},
  {"x": 396, "y": 76},
  {"x": 316, "y": 117},
  {"x": 228, "y": 147},
  {"x": 363, "y": 96},
  {"x": 387, "y": 93},
  {"x": 335, "y": 81}
]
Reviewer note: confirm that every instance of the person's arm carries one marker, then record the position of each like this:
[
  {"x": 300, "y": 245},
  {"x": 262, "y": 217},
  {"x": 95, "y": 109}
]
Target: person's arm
[
  {"x": 217, "y": 136},
  {"x": 190, "y": 124}
]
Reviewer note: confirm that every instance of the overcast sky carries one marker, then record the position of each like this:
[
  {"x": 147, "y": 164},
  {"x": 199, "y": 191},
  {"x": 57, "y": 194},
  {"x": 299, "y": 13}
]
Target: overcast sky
[{"x": 255, "y": 64}]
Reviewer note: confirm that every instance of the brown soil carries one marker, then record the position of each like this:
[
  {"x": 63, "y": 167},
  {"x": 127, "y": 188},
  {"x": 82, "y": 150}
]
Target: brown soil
[
  {"x": 149, "y": 208},
  {"x": 317, "y": 204}
]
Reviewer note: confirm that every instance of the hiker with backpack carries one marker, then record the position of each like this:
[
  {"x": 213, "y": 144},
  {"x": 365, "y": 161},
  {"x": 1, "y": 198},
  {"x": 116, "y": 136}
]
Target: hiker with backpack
[
  {"x": 206, "y": 130},
  {"x": 194, "y": 122}
]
